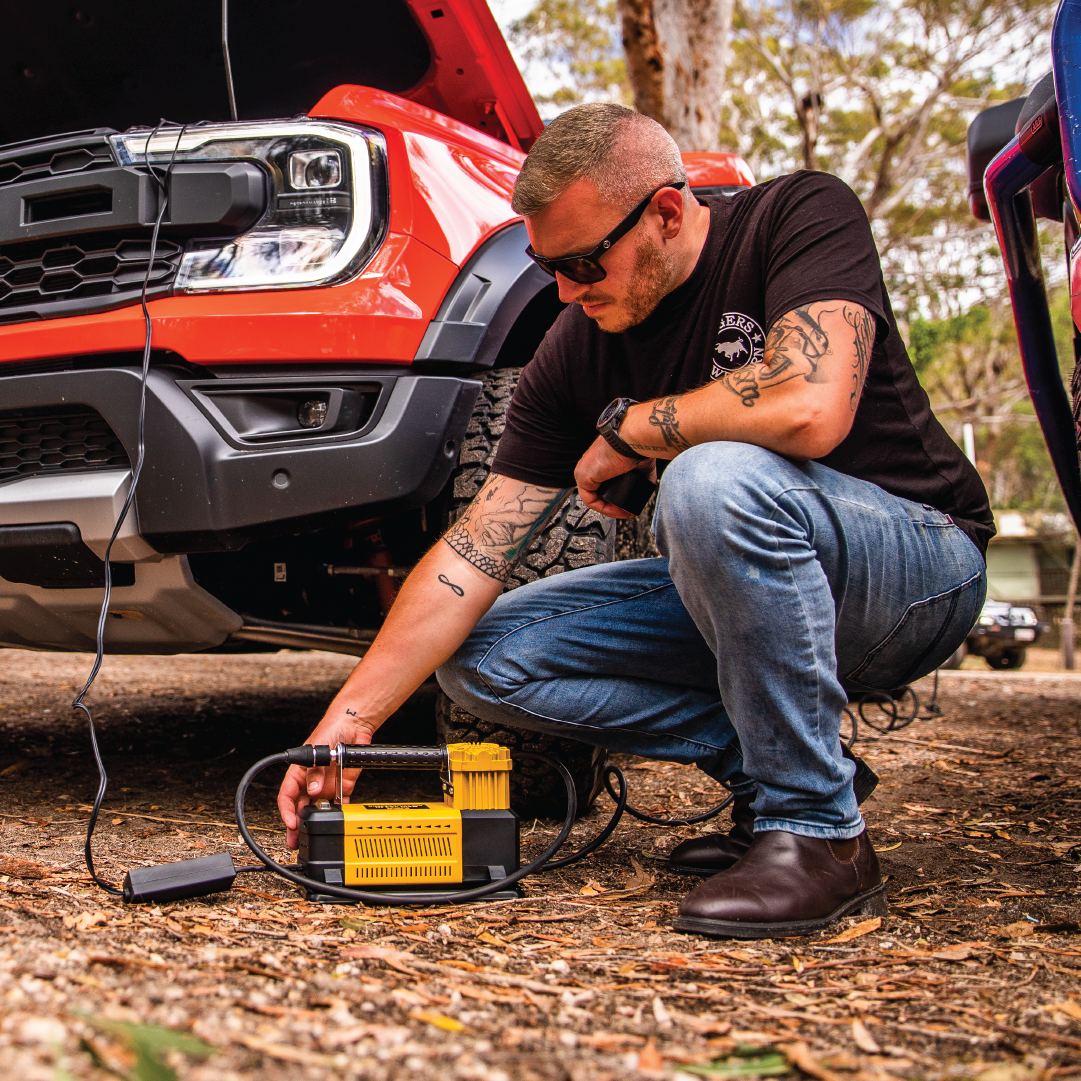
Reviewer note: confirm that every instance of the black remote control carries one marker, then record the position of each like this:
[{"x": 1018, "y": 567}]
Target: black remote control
[{"x": 629, "y": 492}]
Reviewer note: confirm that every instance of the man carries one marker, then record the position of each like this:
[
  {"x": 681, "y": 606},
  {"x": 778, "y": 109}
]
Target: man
[{"x": 819, "y": 528}]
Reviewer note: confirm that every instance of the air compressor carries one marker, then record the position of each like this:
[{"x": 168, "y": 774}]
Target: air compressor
[{"x": 469, "y": 840}]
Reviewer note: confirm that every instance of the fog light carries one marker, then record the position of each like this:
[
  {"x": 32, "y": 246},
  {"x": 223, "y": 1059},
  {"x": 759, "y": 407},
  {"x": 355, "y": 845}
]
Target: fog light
[
  {"x": 312, "y": 414},
  {"x": 315, "y": 169}
]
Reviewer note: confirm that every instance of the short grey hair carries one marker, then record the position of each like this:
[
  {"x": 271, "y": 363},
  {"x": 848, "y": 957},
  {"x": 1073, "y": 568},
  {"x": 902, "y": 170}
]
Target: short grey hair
[{"x": 625, "y": 154}]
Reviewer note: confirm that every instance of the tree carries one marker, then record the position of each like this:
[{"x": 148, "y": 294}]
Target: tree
[
  {"x": 880, "y": 92},
  {"x": 665, "y": 56},
  {"x": 676, "y": 54},
  {"x": 971, "y": 369},
  {"x": 578, "y": 42}
]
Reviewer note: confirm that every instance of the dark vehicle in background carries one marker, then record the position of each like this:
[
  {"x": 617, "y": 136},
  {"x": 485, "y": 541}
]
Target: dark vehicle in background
[{"x": 1001, "y": 635}]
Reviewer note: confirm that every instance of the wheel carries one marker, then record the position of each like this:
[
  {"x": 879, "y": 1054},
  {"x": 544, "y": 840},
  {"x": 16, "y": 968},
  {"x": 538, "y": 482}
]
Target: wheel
[
  {"x": 633, "y": 538},
  {"x": 575, "y": 537},
  {"x": 955, "y": 659},
  {"x": 1012, "y": 658}
]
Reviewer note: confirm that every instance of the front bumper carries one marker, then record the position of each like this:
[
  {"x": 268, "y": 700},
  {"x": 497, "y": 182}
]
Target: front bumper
[
  {"x": 990, "y": 641},
  {"x": 206, "y": 487}
]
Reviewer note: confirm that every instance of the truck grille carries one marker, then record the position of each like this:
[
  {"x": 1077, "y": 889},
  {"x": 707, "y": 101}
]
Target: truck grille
[
  {"x": 80, "y": 152},
  {"x": 57, "y": 441},
  {"x": 77, "y": 274},
  {"x": 47, "y": 279}
]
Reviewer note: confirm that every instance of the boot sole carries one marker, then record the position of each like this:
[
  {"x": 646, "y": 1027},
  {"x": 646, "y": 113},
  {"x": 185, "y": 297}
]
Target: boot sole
[{"x": 871, "y": 903}]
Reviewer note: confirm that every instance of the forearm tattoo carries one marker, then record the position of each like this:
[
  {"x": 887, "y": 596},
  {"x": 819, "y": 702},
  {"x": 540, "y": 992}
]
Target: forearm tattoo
[
  {"x": 863, "y": 323},
  {"x": 664, "y": 417},
  {"x": 795, "y": 346},
  {"x": 498, "y": 526},
  {"x": 798, "y": 345}
]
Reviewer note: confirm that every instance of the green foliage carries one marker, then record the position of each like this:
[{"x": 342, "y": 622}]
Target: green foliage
[
  {"x": 1062, "y": 323},
  {"x": 746, "y": 1061},
  {"x": 579, "y": 42},
  {"x": 971, "y": 368},
  {"x": 61, "y": 1073},
  {"x": 147, "y": 1043},
  {"x": 927, "y": 339}
]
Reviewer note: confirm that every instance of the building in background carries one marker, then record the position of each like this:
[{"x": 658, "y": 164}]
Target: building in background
[{"x": 1028, "y": 563}]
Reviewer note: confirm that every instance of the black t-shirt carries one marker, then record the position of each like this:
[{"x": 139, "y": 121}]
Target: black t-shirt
[{"x": 771, "y": 248}]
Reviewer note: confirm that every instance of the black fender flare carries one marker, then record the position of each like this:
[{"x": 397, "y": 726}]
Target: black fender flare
[{"x": 491, "y": 291}]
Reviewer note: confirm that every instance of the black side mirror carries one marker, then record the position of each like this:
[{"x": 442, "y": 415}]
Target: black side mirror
[{"x": 988, "y": 133}]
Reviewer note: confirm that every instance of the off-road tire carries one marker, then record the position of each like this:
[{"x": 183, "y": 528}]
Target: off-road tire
[
  {"x": 633, "y": 537},
  {"x": 575, "y": 537}
]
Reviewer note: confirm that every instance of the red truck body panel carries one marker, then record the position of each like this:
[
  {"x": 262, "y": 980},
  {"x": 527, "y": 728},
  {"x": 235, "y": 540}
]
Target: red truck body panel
[
  {"x": 450, "y": 188},
  {"x": 473, "y": 76}
]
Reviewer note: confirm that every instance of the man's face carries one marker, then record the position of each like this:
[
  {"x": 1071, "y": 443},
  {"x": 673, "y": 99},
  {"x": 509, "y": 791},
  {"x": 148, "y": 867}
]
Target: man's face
[{"x": 639, "y": 271}]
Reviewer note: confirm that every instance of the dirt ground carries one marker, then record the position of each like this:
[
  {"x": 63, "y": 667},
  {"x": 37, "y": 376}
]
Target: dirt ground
[{"x": 974, "y": 974}]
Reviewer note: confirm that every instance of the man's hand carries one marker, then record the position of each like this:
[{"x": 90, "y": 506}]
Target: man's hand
[
  {"x": 303, "y": 786},
  {"x": 601, "y": 463},
  {"x": 439, "y": 604}
]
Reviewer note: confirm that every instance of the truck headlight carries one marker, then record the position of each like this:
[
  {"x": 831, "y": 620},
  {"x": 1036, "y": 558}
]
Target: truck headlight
[{"x": 322, "y": 223}]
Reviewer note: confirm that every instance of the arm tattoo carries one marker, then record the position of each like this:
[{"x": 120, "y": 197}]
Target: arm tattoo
[
  {"x": 454, "y": 588},
  {"x": 795, "y": 346},
  {"x": 499, "y": 525},
  {"x": 863, "y": 323},
  {"x": 664, "y": 417}
]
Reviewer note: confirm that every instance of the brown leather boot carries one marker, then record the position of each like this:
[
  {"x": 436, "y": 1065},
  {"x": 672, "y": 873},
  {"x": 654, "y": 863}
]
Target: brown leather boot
[
  {"x": 786, "y": 884},
  {"x": 717, "y": 851}
]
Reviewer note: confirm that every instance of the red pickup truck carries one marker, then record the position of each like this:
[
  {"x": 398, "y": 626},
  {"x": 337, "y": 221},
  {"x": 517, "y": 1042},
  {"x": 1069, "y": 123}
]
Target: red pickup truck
[{"x": 340, "y": 304}]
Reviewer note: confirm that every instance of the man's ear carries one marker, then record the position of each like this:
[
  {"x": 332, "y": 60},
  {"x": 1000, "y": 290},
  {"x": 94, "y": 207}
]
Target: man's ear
[{"x": 669, "y": 204}]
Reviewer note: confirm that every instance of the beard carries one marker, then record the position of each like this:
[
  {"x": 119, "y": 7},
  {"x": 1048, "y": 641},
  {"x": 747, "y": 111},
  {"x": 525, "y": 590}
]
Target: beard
[{"x": 650, "y": 282}]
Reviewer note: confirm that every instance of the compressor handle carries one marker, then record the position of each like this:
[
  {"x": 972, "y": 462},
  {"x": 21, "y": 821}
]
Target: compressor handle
[{"x": 353, "y": 756}]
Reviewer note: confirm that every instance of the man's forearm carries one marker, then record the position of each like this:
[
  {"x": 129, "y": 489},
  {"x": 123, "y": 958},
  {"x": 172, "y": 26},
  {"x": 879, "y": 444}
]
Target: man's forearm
[
  {"x": 798, "y": 401},
  {"x": 668, "y": 426},
  {"x": 445, "y": 595},
  {"x": 439, "y": 604}
]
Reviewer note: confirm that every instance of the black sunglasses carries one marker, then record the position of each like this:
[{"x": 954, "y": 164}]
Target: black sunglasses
[{"x": 586, "y": 269}]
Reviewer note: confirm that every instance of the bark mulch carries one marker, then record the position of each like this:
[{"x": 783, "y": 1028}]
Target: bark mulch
[{"x": 974, "y": 974}]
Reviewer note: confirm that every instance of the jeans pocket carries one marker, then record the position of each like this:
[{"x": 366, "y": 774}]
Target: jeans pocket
[{"x": 923, "y": 638}]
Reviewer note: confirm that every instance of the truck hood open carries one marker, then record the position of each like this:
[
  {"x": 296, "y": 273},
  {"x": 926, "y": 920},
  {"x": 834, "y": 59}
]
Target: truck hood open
[{"x": 118, "y": 63}]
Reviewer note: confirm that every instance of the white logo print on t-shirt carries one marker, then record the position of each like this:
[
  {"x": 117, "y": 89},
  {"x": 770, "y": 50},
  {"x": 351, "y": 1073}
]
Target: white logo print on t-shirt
[{"x": 740, "y": 342}]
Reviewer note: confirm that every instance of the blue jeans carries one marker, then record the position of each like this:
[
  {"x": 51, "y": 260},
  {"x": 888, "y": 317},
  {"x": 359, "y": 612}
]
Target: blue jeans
[{"x": 783, "y": 584}]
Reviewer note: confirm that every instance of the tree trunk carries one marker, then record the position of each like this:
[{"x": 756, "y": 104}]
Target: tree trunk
[{"x": 676, "y": 53}]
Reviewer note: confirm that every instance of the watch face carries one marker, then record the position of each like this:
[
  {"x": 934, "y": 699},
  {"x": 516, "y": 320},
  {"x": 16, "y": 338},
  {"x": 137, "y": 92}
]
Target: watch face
[{"x": 609, "y": 412}]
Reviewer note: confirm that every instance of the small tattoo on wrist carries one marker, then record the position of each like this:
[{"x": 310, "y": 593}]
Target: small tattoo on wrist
[
  {"x": 447, "y": 582},
  {"x": 351, "y": 712}
]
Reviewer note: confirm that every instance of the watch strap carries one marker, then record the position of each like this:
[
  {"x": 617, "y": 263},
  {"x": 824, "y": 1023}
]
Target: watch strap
[
  {"x": 621, "y": 447},
  {"x": 609, "y": 428}
]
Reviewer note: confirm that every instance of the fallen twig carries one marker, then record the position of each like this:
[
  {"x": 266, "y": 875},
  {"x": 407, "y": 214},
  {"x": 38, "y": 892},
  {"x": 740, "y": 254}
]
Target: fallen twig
[
  {"x": 1032, "y": 1034},
  {"x": 938, "y": 745},
  {"x": 183, "y": 821}
]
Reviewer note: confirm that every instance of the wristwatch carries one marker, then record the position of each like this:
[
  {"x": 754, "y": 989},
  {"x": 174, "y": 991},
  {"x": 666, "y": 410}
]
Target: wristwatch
[{"x": 608, "y": 425}]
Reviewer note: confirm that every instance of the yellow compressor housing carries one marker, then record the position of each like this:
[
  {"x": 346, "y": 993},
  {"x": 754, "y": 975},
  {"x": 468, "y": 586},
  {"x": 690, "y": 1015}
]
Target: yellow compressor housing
[{"x": 469, "y": 839}]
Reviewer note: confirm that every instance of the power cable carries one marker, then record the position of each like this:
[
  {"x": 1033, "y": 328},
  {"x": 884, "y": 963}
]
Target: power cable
[
  {"x": 99, "y": 655},
  {"x": 225, "y": 55}
]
